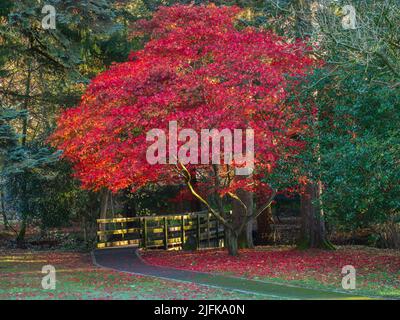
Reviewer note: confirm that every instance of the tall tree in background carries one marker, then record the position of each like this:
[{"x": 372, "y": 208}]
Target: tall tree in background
[
  {"x": 355, "y": 95},
  {"x": 313, "y": 229},
  {"x": 43, "y": 70},
  {"x": 298, "y": 17}
]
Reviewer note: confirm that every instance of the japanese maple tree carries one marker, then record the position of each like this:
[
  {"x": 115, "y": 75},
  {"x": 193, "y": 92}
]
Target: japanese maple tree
[{"x": 203, "y": 71}]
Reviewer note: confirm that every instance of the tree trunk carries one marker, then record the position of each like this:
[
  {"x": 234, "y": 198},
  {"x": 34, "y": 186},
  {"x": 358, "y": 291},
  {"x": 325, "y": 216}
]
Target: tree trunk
[
  {"x": 313, "y": 233},
  {"x": 104, "y": 203},
  {"x": 129, "y": 206},
  {"x": 239, "y": 214},
  {"x": 195, "y": 204},
  {"x": 25, "y": 210},
  {"x": 5, "y": 221},
  {"x": 3, "y": 212},
  {"x": 84, "y": 225},
  {"x": 231, "y": 241},
  {"x": 21, "y": 234},
  {"x": 25, "y": 201},
  {"x": 103, "y": 211},
  {"x": 264, "y": 229},
  {"x": 249, "y": 234}
]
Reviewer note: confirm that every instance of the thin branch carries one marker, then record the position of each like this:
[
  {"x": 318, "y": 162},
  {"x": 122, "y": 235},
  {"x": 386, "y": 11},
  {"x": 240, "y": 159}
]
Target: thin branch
[
  {"x": 271, "y": 198},
  {"x": 189, "y": 184},
  {"x": 234, "y": 196}
]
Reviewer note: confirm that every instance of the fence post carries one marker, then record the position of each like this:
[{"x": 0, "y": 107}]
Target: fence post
[
  {"x": 99, "y": 236},
  {"x": 182, "y": 230},
  {"x": 224, "y": 234},
  {"x": 165, "y": 233},
  {"x": 198, "y": 231},
  {"x": 144, "y": 233}
]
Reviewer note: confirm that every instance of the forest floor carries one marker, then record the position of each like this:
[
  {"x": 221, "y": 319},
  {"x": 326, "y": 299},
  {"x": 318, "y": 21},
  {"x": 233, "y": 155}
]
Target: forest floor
[
  {"x": 77, "y": 278},
  {"x": 377, "y": 270}
]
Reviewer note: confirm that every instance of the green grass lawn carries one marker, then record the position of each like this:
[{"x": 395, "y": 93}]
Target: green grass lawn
[{"x": 78, "y": 278}]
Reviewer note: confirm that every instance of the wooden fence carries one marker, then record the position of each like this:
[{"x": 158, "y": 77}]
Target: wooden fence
[{"x": 198, "y": 229}]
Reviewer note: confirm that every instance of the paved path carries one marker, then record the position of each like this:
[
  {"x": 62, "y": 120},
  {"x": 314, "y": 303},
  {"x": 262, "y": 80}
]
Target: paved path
[{"x": 128, "y": 260}]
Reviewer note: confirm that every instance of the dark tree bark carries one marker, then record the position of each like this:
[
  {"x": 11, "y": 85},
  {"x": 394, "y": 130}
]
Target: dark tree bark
[
  {"x": 195, "y": 204},
  {"x": 264, "y": 228},
  {"x": 105, "y": 195},
  {"x": 3, "y": 212},
  {"x": 313, "y": 232},
  {"x": 239, "y": 214},
  {"x": 231, "y": 242},
  {"x": 21, "y": 234},
  {"x": 104, "y": 200}
]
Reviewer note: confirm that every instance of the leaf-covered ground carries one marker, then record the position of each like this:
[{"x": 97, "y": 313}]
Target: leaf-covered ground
[
  {"x": 377, "y": 271},
  {"x": 78, "y": 278}
]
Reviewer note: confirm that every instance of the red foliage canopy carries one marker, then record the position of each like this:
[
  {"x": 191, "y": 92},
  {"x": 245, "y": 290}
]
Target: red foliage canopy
[{"x": 199, "y": 69}]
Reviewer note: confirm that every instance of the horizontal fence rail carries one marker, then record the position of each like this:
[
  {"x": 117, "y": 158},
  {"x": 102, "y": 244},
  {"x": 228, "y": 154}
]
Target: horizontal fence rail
[{"x": 193, "y": 230}]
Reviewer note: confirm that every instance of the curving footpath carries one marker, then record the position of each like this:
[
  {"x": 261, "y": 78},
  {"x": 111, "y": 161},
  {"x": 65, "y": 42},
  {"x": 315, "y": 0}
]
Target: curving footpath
[{"x": 128, "y": 260}]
